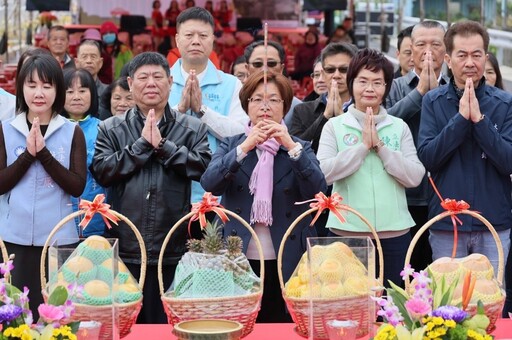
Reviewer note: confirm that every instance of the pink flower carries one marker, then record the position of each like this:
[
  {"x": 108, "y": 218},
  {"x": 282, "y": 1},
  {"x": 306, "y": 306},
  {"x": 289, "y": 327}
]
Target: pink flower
[
  {"x": 50, "y": 313},
  {"x": 417, "y": 308},
  {"x": 408, "y": 271}
]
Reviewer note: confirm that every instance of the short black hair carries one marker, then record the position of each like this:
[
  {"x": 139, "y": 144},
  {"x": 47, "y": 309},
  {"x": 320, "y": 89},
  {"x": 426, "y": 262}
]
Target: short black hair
[
  {"x": 195, "y": 13},
  {"x": 405, "y": 33},
  {"x": 250, "y": 48},
  {"x": 86, "y": 80},
  {"x": 239, "y": 60},
  {"x": 148, "y": 58},
  {"x": 337, "y": 48},
  {"x": 48, "y": 70}
]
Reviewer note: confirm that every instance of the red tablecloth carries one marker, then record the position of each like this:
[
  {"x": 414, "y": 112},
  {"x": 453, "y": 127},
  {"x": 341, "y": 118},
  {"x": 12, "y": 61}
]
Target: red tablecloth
[{"x": 267, "y": 331}]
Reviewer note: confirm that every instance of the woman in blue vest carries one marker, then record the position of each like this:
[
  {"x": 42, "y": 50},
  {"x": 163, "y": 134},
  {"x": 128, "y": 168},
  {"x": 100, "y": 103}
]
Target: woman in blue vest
[
  {"x": 370, "y": 158},
  {"x": 260, "y": 175},
  {"x": 42, "y": 164},
  {"x": 81, "y": 106}
]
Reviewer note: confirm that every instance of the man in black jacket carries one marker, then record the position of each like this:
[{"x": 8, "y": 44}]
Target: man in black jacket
[{"x": 148, "y": 158}]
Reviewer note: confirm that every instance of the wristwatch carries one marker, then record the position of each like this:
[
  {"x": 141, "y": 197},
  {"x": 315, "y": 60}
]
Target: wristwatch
[{"x": 202, "y": 111}]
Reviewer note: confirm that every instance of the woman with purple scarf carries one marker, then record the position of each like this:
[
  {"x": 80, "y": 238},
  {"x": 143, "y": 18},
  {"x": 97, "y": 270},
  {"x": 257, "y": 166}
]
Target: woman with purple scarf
[{"x": 260, "y": 175}]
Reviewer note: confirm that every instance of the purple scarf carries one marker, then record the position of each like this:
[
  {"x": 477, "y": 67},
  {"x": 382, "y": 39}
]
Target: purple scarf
[{"x": 261, "y": 183}]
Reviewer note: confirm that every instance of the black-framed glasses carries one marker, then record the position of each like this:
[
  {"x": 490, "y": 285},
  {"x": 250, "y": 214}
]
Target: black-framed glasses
[
  {"x": 332, "y": 69},
  {"x": 259, "y": 64}
]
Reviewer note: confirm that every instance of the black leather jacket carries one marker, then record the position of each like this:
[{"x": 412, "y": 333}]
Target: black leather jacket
[{"x": 150, "y": 188}]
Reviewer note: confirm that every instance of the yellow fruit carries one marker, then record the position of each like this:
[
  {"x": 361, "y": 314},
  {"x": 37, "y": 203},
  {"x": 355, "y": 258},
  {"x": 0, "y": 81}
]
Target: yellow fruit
[
  {"x": 97, "y": 242},
  {"x": 332, "y": 290},
  {"x": 479, "y": 265},
  {"x": 447, "y": 267},
  {"x": 97, "y": 288},
  {"x": 79, "y": 264},
  {"x": 330, "y": 271},
  {"x": 488, "y": 291},
  {"x": 303, "y": 273},
  {"x": 353, "y": 268},
  {"x": 356, "y": 285},
  {"x": 128, "y": 287},
  {"x": 306, "y": 289},
  {"x": 339, "y": 249},
  {"x": 121, "y": 267},
  {"x": 292, "y": 287},
  {"x": 317, "y": 253}
]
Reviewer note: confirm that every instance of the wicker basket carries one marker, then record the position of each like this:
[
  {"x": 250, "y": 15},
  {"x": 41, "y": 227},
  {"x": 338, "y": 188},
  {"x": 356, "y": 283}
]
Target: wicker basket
[
  {"x": 344, "y": 308},
  {"x": 492, "y": 310},
  {"x": 127, "y": 312},
  {"x": 227, "y": 308}
]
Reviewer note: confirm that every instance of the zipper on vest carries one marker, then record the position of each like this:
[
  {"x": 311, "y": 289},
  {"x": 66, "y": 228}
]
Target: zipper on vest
[{"x": 148, "y": 194}]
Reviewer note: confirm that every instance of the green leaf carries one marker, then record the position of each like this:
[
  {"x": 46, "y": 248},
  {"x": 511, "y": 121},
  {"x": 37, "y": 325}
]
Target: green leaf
[
  {"x": 447, "y": 295},
  {"x": 58, "y": 296},
  {"x": 399, "y": 299},
  {"x": 74, "y": 326},
  {"x": 480, "y": 307},
  {"x": 399, "y": 289}
]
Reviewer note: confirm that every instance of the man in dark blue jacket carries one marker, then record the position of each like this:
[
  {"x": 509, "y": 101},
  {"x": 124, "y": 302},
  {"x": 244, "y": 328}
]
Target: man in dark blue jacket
[{"x": 465, "y": 141}]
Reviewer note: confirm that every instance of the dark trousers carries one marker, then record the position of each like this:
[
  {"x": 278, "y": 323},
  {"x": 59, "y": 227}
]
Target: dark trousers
[
  {"x": 422, "y": 254},
  {"x": 273, "y": 308},
  {"x": 26, "y": 273},
  {"x": 152, "y": 310},
  {"x": 394, "y": 250}
]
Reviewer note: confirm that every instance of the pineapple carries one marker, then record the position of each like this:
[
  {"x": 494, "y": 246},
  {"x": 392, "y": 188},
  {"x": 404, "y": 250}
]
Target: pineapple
[
  {"x": 212, "y": 241},
  {"x": 234, "y": 246},
  {"x": 194, "y": 245}
]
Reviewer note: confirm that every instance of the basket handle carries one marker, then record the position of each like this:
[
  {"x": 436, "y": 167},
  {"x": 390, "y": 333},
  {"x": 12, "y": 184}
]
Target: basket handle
[
  {"x": 188, "y": 216},
  {"x": 304, "y": 214},
  {"x": 143, "y": 255},
  {"x": 439, "y": 217}
]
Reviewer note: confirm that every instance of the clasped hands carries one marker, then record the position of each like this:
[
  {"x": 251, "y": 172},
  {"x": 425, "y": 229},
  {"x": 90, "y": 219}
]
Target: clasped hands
[
  {"x": 35, "y": 139},
  {"x": 264, "y": 130},
  {"x": 191, "y": 97},
  {"x": 150, "y": 131},
  {"x": 370, "y": 136},
  {"x": 468, "y": 104}
]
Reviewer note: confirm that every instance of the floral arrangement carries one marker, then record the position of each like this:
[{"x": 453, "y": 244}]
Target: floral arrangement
[
  {"x": 424, "y": 312},
  {"x": 46, "y": 19},
  {"x": 16, "y": 318}
]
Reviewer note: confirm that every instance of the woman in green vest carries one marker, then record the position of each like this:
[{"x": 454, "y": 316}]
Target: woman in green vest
[{"x": 370, "y": 158}]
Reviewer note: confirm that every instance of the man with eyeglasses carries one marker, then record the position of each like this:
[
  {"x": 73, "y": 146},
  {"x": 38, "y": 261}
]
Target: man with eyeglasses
[
  {"x": 255, "y": 54},
  {"x": 319, "y": 85},
  {"x": 199, "y": 88},
  {"x": 405, "y": 100},
  {"x": 310, "y": 117}
]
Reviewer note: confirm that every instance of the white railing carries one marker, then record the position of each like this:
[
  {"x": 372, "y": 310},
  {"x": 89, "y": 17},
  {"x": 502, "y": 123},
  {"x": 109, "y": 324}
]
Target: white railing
[{"x": 501, "y": 40}]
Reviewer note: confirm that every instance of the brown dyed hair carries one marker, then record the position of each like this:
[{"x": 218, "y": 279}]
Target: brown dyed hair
[
  {"x": 371, "y": 60},
  {"x": 465, "y": 28},
  {"x": 254, "y": 80}
]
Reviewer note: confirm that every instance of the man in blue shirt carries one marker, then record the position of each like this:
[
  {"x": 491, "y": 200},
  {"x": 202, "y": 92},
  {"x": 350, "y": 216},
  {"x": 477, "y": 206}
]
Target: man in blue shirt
[{"x": 201, "y": 90}]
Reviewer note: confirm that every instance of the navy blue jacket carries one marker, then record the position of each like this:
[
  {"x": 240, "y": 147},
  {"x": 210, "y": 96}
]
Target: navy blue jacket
[
  {"x": 470, "y": 162},
  {"x": 294, "y": 181}
]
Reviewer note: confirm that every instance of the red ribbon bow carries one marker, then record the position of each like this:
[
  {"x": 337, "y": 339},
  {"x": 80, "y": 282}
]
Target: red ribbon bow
[
  {"x": 97, "y": 206},
  {"x": 454, "y": 207},
  {"x": 208, "y": 203},
  {"x": 322, "y": 202}
]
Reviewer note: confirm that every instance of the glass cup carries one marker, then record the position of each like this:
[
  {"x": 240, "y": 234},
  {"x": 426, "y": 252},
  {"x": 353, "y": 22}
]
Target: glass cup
[
  {"x": 342, "y": 330},
  {"x": 89, "y": 330}
]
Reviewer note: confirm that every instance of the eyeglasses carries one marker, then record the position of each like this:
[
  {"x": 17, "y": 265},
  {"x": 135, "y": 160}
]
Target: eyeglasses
[
  {"x": 259, "y": 64},
  {"x": 332, "y": 69},
  {"x": 259, "y": 101},
  {"x": 315, "y": 75},
  {"x": 376, "y": 85}
]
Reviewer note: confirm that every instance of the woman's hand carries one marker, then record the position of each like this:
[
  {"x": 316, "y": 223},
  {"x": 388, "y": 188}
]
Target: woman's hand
[
  {"x": 35, "y": 140},
  {"x": 255, "y": 137},
  {"x": 279, "y": 132},
  {"x": 370, "y": 136}
]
